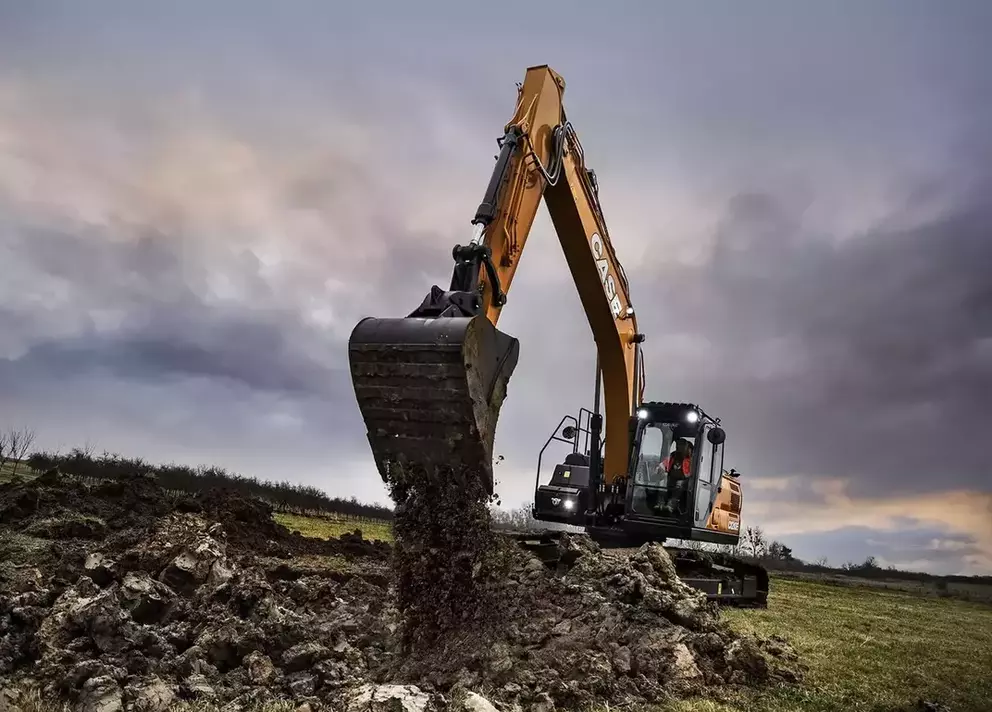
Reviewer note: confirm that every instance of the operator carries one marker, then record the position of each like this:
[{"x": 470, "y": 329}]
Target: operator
[{"x": 678, "y": 466}]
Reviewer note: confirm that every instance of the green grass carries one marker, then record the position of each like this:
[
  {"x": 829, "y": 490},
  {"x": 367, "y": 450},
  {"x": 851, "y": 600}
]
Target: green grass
[
  {"x": 7, "y": 471},
  {"x": 965, "y": 590},
  {"x": 869, "y": 650},
  {"x": 322, "y": 528}
]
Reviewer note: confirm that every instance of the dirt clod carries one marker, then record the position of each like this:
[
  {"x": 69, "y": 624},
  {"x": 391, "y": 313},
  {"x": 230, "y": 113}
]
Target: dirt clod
[
  {"x": 153, "y": 696},
  {"x": 186, "y": 599},
  {"x": 389, "y": 698}
]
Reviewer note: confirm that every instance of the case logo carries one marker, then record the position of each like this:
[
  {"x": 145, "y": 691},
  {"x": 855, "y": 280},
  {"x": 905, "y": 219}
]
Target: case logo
[{"x": 603, "y": 265}]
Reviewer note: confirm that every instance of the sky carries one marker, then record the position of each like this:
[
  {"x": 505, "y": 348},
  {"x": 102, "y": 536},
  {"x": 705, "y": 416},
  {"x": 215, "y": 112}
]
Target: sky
[{"x": 199, "y": 202}]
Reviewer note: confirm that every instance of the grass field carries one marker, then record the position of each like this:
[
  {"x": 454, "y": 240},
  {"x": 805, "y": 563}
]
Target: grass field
[
  {"x": 7, "y": 471},
  {"x": 965, "y": 590},
  {"x": 870, "y": 650},
  {"x": 322, "y": 528}
]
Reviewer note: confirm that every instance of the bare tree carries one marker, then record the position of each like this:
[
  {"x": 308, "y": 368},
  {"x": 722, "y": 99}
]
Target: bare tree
[
  {"x": 20, "y": 442},
  {"x": 754, "y": 541},
  {"x": 778, "y": 550},
  {"x": 4, "y": 449},
  {"x": 870, "y": 564}
]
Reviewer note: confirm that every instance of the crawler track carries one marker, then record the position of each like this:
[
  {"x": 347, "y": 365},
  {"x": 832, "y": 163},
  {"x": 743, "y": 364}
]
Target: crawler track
[{"x": 727, "y": 580}]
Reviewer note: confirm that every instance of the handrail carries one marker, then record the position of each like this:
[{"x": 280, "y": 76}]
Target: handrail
[{"x": 554, "y": 436}]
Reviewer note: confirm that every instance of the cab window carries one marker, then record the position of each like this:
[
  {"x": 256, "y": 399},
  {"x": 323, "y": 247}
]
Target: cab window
[{"x": 656, "y": 442}]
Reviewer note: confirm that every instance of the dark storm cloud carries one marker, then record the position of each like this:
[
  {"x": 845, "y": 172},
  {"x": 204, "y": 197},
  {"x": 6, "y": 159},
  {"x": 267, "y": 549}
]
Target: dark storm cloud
[
  {"x": 867, "y": 357},
  {"x": 164, "y": 327},
  {"x": 909, "y": 548},
  {"x": 147, "y": 308}
]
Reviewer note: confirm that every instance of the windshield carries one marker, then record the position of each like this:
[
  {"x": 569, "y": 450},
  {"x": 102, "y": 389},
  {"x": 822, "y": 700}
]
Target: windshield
[
  {"x": 659, "y": 446},
  {"x": 656, "y": 443}
]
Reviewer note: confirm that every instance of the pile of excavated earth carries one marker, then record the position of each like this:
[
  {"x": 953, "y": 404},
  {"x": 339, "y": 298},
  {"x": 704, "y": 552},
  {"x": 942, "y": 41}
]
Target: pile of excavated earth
[{"x": 120, "y": 597}]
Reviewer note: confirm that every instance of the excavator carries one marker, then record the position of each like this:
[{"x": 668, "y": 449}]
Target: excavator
[{"x": 430, "y": 385}]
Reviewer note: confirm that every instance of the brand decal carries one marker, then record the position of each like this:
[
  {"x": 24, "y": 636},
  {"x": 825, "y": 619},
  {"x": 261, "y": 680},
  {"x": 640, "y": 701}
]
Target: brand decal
[
  {"x": 556, "y": 501},
  {"x": 603, "y": 265}
]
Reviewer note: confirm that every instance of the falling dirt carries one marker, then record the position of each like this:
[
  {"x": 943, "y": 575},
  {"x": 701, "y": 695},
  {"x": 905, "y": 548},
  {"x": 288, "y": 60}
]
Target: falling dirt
[
  {"x": 446, "y": 556},
  {"x": 174, "y": 599}
]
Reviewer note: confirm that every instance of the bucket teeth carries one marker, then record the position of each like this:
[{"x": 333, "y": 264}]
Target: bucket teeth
[{"x": 430, "y": 390}]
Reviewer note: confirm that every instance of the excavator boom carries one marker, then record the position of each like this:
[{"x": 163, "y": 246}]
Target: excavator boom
[{"x": 430, "y": 385}]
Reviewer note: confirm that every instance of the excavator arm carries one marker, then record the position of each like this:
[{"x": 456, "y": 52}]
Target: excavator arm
[
  {"x": 430, "y": 385},
  {"x": 546, "y": 159}
]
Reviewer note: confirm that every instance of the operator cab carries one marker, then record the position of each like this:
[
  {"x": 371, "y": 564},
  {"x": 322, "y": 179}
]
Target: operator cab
[
  {"x": 675, "y": 486},
  {"x": 676, "y": 468}
]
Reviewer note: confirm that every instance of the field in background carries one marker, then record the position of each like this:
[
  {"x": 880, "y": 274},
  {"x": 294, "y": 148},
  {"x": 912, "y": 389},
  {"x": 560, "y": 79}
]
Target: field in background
[
  {"x": 324, "y": 527},
  {"x": 7, "y": 471},
  {"x": 313, "y": 524},
  {"x": 964, "y": 590},
  {"x": 872, "y": 649}
]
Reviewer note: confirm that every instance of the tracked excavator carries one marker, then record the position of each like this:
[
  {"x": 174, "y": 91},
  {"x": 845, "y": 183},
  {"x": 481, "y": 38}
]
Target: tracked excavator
[{"x": 430, "y": 385}]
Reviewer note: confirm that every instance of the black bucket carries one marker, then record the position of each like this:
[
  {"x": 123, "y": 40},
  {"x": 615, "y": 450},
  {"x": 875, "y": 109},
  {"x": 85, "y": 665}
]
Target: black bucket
[{"x": 430, "y": 389}]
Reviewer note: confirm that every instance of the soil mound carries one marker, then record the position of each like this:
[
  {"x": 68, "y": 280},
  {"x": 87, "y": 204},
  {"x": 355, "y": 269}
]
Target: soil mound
[
  {"x": 120, "y": 504},
  {"x": 208, "y": 599},
  {"x": 613, "y": 628}
]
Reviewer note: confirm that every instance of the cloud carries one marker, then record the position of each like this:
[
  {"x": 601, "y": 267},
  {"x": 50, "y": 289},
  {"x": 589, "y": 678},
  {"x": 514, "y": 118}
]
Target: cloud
[
  {"x": 864, "y": 358},
  {"x": 951, "y": 529},
  {"x": 189, "y": 236},
  {"x": 900, "y": 548},
  {"x": 186, "y": 258}
]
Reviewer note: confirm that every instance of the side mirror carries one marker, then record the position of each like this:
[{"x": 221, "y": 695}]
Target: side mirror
[
  {"x": 568, "y": 432},
  {"x": 717, "y": 436}
]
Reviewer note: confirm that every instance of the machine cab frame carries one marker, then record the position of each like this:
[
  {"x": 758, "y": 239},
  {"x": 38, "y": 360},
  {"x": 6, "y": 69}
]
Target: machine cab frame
[{"x": 655, "y": 430}]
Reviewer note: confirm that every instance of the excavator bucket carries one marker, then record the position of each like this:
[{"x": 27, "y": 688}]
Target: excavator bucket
[{"x": 430, "y": 389}]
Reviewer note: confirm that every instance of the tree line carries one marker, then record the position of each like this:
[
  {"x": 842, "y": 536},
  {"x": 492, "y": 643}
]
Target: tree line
[{"x": 82, "y": 462}]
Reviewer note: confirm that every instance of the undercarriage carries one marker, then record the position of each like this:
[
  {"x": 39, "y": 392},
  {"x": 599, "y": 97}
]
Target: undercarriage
[{"x": 725, "y": 579}]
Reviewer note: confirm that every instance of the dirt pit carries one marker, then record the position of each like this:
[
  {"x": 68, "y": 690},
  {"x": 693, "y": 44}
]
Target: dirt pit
[{"x": 159, "y": 600}]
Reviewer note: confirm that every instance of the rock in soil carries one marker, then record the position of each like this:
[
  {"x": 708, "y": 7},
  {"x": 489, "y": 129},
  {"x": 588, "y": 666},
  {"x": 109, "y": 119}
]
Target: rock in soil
[{"x": 207, "y": 598}]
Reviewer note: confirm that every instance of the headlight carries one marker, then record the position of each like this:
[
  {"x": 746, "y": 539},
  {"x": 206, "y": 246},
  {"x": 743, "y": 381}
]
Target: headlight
[
  {"x": 569, "y": 504},
  {"x": 692, "y": 416},
  {"x": 642, "y": 414}
]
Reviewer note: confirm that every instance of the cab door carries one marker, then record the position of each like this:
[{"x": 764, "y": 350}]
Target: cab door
[{"x": 710, "y": 462}]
